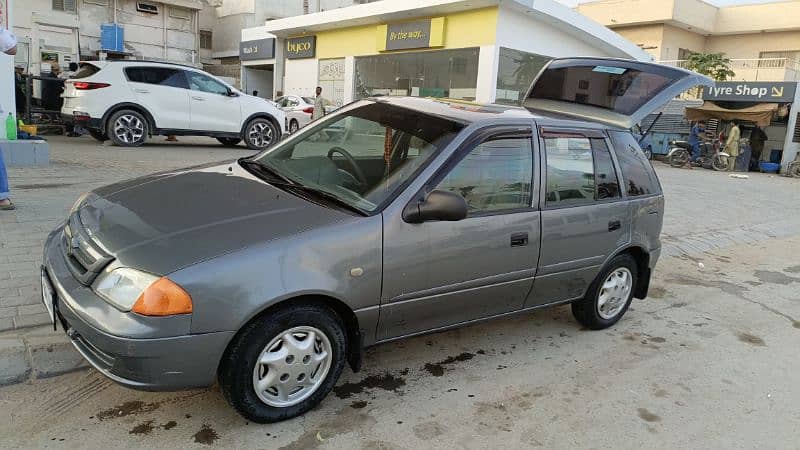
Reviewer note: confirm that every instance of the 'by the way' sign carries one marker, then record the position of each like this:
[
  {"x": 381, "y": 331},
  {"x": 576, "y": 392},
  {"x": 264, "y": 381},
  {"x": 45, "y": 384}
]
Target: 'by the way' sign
[{"x": 753, "y": 91}]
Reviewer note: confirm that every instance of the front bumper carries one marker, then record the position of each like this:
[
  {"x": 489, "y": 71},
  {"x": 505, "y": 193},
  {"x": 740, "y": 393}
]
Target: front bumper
[{"x": 153, "y": 364}]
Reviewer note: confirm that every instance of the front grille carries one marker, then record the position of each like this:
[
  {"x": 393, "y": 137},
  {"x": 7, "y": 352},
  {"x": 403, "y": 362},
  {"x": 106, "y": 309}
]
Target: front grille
[{"x": 85, "y": 259}]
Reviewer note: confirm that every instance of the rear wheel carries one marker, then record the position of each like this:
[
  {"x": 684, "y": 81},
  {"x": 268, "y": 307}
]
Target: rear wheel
[
  {"x": 294, "y": 126},
  {"x": 260, "y": 134},
  {"x": 679, "y": 158},
  {"x": 229, "y": 142},
  {"x": 284, "y": 364},
  {"x": 609, "y": 295},
  {"x": 98, "y": 135},
  {"x": 127, "y": 128},
  {"x": 720, "y": 163}
]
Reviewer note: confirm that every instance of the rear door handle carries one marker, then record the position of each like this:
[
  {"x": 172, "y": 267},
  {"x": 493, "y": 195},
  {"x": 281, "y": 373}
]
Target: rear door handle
[
  {"x": 142, "y": 91},
  {"x": 653, "y": 212},
  {"x": 519, "y": 239},
  {"x": 614, "y": 225},
  {"x": 199, "y": 99}
]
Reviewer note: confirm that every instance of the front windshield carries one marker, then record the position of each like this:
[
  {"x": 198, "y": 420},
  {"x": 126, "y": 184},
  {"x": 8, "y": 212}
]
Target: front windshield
[{"x": 363, "y": 154}]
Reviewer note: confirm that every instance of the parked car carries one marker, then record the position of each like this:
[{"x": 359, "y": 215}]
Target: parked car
[
  {"x": 128, "y": 101},
  {"x": 299, "y": 110},
  {"x": 331, "y": 242}
]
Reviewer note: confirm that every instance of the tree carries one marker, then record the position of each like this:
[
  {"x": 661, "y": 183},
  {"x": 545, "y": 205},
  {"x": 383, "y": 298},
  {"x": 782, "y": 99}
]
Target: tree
[{"x": 714, "y": 65}]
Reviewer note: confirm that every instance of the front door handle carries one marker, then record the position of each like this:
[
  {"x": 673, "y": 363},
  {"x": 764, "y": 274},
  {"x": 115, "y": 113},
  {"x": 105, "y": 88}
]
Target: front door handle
[
  {"x": 199, "y": 99},
  {"x": 519, "y": 239},
  {"x": 614, "y": 225}
]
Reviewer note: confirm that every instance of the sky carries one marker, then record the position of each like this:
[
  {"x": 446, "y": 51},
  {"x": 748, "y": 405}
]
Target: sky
[{"x": 572, "y": 3}]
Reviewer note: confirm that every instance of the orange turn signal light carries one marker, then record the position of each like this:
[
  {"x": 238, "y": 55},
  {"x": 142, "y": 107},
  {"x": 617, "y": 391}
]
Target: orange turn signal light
[{"x": 163, "y": 298}]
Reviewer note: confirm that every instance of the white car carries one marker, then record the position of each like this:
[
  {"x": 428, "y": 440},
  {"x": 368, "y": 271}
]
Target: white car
[
  {"x": 298, "y": 110},
  {"x": 127, "y": 101}
]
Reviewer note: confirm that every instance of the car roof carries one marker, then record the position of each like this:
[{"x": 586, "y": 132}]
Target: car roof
[
  {"x": 140, "y": 61},
  {"x": 471, "y": 112}
]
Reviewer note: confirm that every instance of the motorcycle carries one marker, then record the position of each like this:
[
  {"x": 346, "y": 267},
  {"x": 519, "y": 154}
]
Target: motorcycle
[{"x": 710, "y": 155}]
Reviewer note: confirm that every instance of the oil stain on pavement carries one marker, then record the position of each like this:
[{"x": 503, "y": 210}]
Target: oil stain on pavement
[
  {"x": 647, "y": 416},
  {"x": 127, "y": 409},
  {"x": 206, "y": 435},
  {"x": 385, "y": 381},
  {"x": 437, "y": 369},
  {"x": 751, "y": 339},
  {"x": 769, "y": 276}
]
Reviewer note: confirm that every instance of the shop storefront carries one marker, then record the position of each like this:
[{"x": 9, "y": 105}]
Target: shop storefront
[
  {"x": 451, "y": 49},
  {"x": 772, "y": 106}
]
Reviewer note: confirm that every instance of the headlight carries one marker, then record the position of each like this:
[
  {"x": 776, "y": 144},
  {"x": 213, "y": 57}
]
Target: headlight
[{"x": 142, "y": 293}]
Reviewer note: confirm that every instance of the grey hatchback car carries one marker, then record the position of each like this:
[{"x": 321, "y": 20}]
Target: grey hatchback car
[{"x": 389, "y": 218}]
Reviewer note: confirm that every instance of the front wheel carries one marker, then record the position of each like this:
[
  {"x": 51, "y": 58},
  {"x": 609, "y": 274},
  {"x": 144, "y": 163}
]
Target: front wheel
[
  {"x": 260, "y": 134},
  {"x": 283, "y": 364},
  {"x": 609, "y": 295},
  {"x": 679, "y": 158},
  {"x": 229, "y": 142},
  {"x": 720, "y": 163}
]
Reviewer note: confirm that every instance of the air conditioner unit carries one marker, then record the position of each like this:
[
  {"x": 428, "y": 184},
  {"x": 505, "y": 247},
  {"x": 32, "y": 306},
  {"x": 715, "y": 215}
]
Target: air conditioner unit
[{"x": 148, "y": 8}]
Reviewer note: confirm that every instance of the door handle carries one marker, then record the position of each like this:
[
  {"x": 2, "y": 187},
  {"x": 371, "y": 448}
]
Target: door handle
[
  {"x": 653, "y": 212},
  {"x": 199, "y": 99},
  {"x": 519, "y": 239},
  {"x": 142, "y": 91},
  {"x": 614, "y": 225}
]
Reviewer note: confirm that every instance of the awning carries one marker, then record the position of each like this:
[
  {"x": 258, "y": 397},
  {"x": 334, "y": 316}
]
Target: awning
[{"x": 760, "y": 113}]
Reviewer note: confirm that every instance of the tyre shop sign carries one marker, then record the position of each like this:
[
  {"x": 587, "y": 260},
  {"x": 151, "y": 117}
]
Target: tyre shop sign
[
  {"x": 301, "y": 47},
  {"x": 258, "y": 49},
  {"x": 743, "y": 91}
]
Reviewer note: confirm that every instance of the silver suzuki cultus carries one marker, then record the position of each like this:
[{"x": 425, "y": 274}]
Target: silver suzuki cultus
[{"x": 389, "y": 218}]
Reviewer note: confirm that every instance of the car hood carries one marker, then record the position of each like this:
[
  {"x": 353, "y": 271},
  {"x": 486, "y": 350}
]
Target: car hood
[{"x": 163, "y": 222}]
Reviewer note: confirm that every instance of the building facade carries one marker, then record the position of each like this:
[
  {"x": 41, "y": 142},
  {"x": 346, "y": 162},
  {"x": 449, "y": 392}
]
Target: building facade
[
  {"x": 487, "y": 50},
  {"x": 68, "y": 30},
  {"x": 762, "y": 40}
]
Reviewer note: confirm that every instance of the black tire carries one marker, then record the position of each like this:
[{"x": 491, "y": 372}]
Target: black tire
[
  {"x": 586, "y": 311},
  {"x": 237, "y": 367},
  {"x": 98, "y": 135},
  {"x": 260, "y": 134},
  {"x": 229, "y": 142},
  {"x": 293, "y": 126},
  {"x": 679, "y": 158},
  {"x": 132, "y": 131}
]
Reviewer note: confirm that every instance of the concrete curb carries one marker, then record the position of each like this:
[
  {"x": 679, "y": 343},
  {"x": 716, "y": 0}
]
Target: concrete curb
[{"x": 38, "y": 352}]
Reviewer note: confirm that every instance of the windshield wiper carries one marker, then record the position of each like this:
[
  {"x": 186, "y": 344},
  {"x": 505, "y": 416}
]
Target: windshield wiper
[
  {"x": 256, "y": 168},
  {"x": 324, "y": 195}
]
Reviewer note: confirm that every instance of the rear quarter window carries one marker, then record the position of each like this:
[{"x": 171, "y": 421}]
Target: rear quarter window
[
  {"x": 638, "y": 176},
  {"x": 85, "y": 71}
]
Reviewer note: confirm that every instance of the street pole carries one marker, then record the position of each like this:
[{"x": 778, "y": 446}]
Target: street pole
[{"x": 7, "y": 100}]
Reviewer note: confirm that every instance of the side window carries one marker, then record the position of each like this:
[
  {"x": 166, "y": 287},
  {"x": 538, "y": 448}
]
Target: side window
[
  {"x": 605, "y": 176},
  {"x": 570, "y": 171},
  {"x": 157, "y": 75},
  {"x": 203, "y": 83},
  {"x": 495, "y": 175},
  {"x": 292, "y": 101},
  {"x": 638, "y": 176}
]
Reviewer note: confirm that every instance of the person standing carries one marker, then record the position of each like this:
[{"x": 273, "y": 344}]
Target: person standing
[
  {"x": 732, "y": 145},
  {"x": 319, "y": 105},
  {"x": 696, "y": 137},
  {"x": 757, "y": 139},
  {"x": 8, "y": 46}
]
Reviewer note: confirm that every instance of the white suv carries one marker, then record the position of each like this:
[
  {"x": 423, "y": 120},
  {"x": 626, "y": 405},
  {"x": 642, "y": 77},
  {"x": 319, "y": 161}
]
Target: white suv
[{"x": 127, "y": 101}]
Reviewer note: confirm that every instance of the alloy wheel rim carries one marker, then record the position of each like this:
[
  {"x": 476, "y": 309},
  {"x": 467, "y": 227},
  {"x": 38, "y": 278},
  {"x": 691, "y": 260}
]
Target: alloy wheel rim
[
  {"x": 614, "y": 293},
  {"x": 260, "y": 134},
  {"x": 129, "y": 129},
  {"x": 292, "y": 366}
]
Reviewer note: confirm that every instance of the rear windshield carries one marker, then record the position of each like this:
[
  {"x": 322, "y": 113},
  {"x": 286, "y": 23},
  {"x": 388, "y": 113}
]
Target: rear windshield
[
  {"x": 86, "y": 70},
  {"x": 622, "y": 90}
]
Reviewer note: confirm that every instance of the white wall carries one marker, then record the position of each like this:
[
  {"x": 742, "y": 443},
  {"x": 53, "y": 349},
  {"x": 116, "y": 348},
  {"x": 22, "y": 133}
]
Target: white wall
[
  {"x": 488, "y": 58},
  {"x": 300, "y": 77},
  {"x": 790, "y": 149},
  {"x": 520, "y": 32}
]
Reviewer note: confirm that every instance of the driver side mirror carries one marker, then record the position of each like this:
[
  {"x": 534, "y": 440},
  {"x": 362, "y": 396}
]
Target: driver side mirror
[
  {"x": 437, "y": 205},
  {"x": 232, "y": 93}
]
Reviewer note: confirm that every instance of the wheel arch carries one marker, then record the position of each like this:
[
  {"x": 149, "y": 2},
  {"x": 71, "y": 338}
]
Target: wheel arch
[
  {"x": 262, "y": 115},
  {"x": 151, "y": 121},
  {"x": 344, "y": 312},
  {"x": 642, "y": 258}
]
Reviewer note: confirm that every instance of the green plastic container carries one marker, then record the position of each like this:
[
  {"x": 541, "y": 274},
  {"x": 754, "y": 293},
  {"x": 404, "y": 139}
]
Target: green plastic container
[{"x": 11, "y": 128}]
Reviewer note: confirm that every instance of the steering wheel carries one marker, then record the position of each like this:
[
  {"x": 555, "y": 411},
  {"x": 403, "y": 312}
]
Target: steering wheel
[{"x": 356, "y": 171}]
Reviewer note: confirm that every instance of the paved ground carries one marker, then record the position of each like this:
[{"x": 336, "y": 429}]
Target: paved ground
[{"x": 708, "y": 361}]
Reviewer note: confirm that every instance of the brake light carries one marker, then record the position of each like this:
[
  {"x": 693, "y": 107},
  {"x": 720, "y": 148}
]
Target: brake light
[
  {"x": 88, "y": 86},
  {"x": 309, "y": 110}
]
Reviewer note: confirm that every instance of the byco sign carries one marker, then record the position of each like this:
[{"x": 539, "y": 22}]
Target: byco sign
[
  {"x": 417, "y": 34},
  {"x": 301, "y": 47},
  {"x": 766, "y": 92},
  {"x": 258, "y": 49}
]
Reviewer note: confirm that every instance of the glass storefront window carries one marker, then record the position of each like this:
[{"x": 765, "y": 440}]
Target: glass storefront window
[
  {"x": 440, "y": 73},
  {"x": 515, "y": 73}
]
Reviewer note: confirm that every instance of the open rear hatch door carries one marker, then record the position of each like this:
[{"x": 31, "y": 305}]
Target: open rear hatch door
[{"x": 617, "y": 92}]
